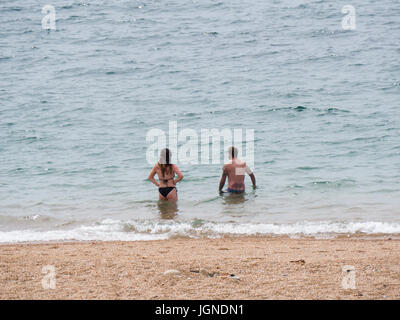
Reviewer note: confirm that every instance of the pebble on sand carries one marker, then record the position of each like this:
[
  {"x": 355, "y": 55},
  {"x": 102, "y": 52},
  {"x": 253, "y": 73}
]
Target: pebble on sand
[{"x": 172, "y": 272}]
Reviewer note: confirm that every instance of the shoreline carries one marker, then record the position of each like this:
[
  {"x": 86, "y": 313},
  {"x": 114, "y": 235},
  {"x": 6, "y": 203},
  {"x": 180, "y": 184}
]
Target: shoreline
[
  {"x": 249, "y": 267},
  {"x": 354, "y": 236}
]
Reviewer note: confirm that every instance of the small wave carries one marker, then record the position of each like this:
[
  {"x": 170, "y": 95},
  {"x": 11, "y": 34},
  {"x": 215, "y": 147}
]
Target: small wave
[
  {"x": 110, "y": 230},
  {"x": 25, "y": 221},
  {"x": 212, "y": 33},
  {"x": 5, "y": 58},
  {"x": 11, "y": 9},
  {"x": 334, "y": 110},
  {"x": 298, "y": 108},
  {"x": 321, "y": 111},
  {"x": 307, "y": 168},
  {"x": 207, "y": 201},
  {"x": 327, "y": 32},
  {"x": 332, "y": 184}
]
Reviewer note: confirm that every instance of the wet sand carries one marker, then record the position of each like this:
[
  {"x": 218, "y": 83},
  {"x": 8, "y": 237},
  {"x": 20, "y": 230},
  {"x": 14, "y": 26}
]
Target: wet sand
[{"x": 228, "y": 268}]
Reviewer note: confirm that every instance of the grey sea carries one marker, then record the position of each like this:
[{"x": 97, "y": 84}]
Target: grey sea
[{"x": 77, "y": 103}]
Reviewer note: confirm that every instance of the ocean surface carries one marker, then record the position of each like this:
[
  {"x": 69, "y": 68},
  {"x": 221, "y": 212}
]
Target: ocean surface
[{"x": 77, "y": 103}]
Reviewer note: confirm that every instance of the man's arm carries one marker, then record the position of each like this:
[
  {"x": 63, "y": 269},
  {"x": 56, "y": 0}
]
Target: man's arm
[
  {"x": 222, "y": 181},
  {"x": 253, "y": 179},
  {"x": 251, "y": 175}
]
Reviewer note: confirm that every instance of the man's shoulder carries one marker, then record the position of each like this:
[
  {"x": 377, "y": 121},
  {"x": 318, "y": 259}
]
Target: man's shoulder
[
  {"x": 227, "y": 166},
  {"x": 239, "y": 163},
  {"x": 228, "y": 163}
]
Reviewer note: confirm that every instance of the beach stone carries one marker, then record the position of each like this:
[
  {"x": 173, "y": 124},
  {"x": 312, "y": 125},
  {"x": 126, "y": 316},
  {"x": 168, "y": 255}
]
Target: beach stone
[
  {"x": 172, "y": 272},
  {"x": 204, "y": 272},
  {"x": 301, "y": 261}
]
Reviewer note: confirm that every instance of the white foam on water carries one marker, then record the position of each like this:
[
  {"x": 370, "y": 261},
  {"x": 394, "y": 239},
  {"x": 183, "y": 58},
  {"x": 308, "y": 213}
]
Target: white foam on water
[{"x": 114, "y": 230}]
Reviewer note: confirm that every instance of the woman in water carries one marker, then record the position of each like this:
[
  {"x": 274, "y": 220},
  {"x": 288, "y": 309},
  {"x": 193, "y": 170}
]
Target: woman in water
[{"x": 166, "y": 174}]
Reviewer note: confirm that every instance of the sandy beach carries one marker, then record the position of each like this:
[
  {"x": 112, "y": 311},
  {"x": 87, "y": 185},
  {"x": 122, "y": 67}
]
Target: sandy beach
[{"x": 227, "y": 268}]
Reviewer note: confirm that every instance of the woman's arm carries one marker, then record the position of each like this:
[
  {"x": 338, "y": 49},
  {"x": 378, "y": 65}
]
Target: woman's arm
[
  {"x": 152, "y": 174},
  {"x": 179, "y": 173}
]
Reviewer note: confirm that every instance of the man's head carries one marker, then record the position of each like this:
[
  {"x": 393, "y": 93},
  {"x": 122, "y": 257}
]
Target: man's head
[{"x": 233, "y": 152}]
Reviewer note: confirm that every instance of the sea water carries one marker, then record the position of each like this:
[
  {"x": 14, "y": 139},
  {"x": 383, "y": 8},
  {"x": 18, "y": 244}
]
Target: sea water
[{"x": 77, "y": 102}]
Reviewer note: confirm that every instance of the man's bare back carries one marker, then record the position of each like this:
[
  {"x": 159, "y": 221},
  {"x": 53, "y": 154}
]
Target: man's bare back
[{"x": 235, "y": 170}]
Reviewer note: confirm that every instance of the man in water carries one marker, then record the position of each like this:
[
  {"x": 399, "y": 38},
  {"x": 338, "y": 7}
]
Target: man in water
[{"x": 235, "y": 170}]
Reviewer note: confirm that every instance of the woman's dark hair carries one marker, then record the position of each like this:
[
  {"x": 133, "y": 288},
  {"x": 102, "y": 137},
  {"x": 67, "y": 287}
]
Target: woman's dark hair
[{"x": 165, "y": 161}]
